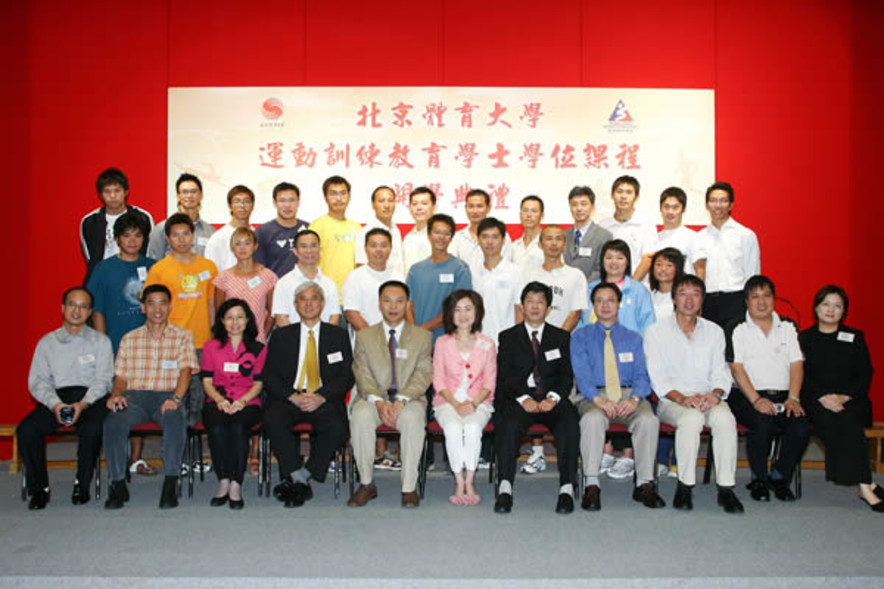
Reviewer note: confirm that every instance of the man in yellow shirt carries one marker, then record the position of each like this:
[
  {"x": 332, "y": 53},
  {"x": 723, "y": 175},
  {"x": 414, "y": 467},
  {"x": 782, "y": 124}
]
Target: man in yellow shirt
[{"x": 337, "y": 233}]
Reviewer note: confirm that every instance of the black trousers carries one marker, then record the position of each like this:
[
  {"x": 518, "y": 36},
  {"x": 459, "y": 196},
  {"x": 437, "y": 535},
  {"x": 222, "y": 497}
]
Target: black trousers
[
  {"x": 41, "y": 422},
  {"x": 562, "y": 421},
  {"x": 329, "y": 424},
  {"x": 762, "y": 430},
  {"x": 229, "y": 439},
  {"x": 847, "y": 450},
  {"x": 723, "y": 307}
]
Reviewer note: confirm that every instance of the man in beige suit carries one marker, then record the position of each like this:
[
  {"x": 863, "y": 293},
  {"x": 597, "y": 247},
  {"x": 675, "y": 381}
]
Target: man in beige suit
[{"x": 391, "y": 392}]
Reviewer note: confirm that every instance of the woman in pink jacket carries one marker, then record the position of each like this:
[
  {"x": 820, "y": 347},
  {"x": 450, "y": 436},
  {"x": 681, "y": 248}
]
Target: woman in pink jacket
[{"x": 464, "y": 374}]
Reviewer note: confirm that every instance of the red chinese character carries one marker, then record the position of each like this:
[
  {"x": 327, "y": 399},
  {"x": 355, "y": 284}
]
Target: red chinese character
[
  {"x": 531, "y": 154},
  {"x": 466, "y": 152},
  {"x": 368, "y": 155},
  {"x": 402, "y": 191},
  {"x": 433, "y": 115},
  {"x": 336, "y": 156},
  {"x": 466, "y": 114},
  {"x": 498, "y": 155},
  {"x": 499, "y": 192},
  {"x": 274, "y": 155},
  {"x": 460, "y": 194},
  {"x": 433, "y": 152},
  {"x": 495, "y": 115},
  {"x": 567, "y": 156},
  {"x": 399, "y": 156},
  {"x": 596, "y": 156},
  {"x": 365, "y": 115},
  {"x": 531, "y": 113},
  {"x": 400, "y": 114},
  {"x": 436, "y": 187},
  {"x": 628, "y": 157},
  {"x": 304, "y": 156}
]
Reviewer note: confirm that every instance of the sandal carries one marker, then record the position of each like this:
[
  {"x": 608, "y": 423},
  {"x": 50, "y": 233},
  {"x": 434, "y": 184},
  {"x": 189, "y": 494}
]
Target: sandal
[
  {"x": 253, "y": 466},
  {"x": 142, "y": 467}
]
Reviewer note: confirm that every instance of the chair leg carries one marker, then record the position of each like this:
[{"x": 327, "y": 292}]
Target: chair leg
[
  {"x": 352, "y": 465},
  {"x": 422, "y": 467},
  {"x": 24, "y": 484},
  {"x": 97, "y": 475},
  {"x": 267, "y": 466},
  {"x": 707, "y": 470},
  {"x": 199, "y": 449},
  {"x": 261, "y": 464},
  {"x": 337, "y": 477}
]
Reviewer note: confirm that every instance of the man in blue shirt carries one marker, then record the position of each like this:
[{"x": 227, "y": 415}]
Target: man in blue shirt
[{"x": 613, "y": 386}]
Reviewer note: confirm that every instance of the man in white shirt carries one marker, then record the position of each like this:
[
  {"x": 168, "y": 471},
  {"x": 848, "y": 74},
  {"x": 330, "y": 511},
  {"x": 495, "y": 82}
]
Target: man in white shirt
[
  {"x": 383, "y": 201},
  {"x": 465, "y": 244},
  {"x": 673, "y": 202},
  {"x": 499, "y": 281},
  {"x": 416, "y": 245},
  {"x": 307, "y": 270},
  {"x": 568, "y": 284},
  {"x": 637, "y": 230},
  {"x": 584, "y": 240},
  {"x": 241, "y": 201},
  {"x": 525, "y": 251},
  {"x": 768, "y": 367},
  {"x": 685, "y": 356},
  {"x": 732, "y": 256},
  {"x": 361, "y": 288}
]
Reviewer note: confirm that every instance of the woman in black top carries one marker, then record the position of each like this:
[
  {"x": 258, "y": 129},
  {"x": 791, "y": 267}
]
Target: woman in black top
[{"x": 837, "y": 376}]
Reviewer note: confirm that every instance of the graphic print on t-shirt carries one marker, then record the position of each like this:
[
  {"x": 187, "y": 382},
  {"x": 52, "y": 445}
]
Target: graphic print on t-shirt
[{"x": 190, "y": 284}]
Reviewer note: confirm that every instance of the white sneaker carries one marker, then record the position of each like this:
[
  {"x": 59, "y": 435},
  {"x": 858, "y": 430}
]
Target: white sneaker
[
  {"x": 673, "y": 472},
  {"x": 623, "y": 468},
  {"x": 534, "y": 464},
  {"x": 662, "y": 470},
  {"x": 607, "y": 463},
  {"x": 483, "y": 464}
]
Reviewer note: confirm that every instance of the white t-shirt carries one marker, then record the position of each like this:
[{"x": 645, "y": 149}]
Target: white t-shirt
[
  {"x": 569, "y": 291},
  {"x": 464, "y": 248},
  {"x": 639, "y": 232},
  {"x": 663, "y": 306},
  {"x": 395, "y": 260},
  {"x": 501, "y": 290},
  {"x": 284, "y": 295},
  {"x": 110, "y": 244},
  {"x": 361, "y": 291},
  {"x": 530, "y": 256},
  {"x": 218, "y": 248},
  {"x": 686, "y": 241}
]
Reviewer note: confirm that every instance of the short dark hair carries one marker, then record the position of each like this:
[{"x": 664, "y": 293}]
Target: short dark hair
[
  {"x": 178, "y": 219},
  {"x": 582, "y": 191},
  {"x": 632, "y": 181},
  {"x": 535, "y": 286},
  {"x": 826, "y": 291},
  {"x": 219, "y": 332},
  {"x": 334, "y": 180},
  {"x": 618, "y": 245},
  {"x": 674, "y": 256},
  {"x": 240, "y": 189},
  {"x": 689, "y": 280},
  {"x": 450, "y": 303},
  {"x": 378, "y": 231},
  {"x": 128, "y": 221},
  {"x": 305, "y": 232},
  {"x": 152, "y": 288},
  {"x": 111, "y": 176},
  {"x": 603, "y": 286},
  {"x": 394, "y": 284},
  {"x": 374, "y": 193},
  {"x": 186, "y": 177},
  {"x": 721, "y": 186},
  {"x": 479, "y": 192},
  {"x": 64, "y": 295},
  {"x": 676, "y": 193},
  {"x": 282, "y": 187},
  {"x": 422, "y": 190},
  {"x": 442, "y": 218},
  {"x": 532, "y": 197},
  {"x": 757, "y": 282},
  {"x": 491, "y": 223}
]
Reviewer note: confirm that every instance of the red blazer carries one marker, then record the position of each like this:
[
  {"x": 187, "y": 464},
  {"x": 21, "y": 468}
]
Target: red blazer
[{"x": 448, "y": 367}]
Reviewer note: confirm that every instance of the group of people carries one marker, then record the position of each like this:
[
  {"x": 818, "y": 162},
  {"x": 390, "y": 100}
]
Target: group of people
[{"x": 349, "y": 328}]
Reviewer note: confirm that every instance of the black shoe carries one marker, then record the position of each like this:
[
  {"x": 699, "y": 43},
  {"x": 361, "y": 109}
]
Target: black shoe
[
  {"x": 759, "y": 490},
  {"x": 592, "y": 498},
  {"x": 782, "y": 491},
  {"x": 647, "y": 495},
  {"x": 218, "y": 501},
  {"x": 169, "y": 496},
  {"x": 565, "y": 503},
  {"x": 684, "y": 497},
  {"x": 504, "y": 503},
  {"x": 283, "y": 489},
  {"x": 297, "y": 494},
  {"x": 39, "y": 500},
  {"x": 117, "y": 495},
  {"x": 728, "y": 500},
  {"x": 80, "y": 496},
  {"x": 237, "y": 504},
  {"x": 879, "y": 492}
]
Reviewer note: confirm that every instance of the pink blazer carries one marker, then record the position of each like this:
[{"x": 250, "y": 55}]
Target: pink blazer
[{"x": 448, "y": 367}]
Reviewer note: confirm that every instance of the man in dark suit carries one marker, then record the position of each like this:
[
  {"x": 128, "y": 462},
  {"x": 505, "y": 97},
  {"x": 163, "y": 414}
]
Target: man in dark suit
[
  {"x": 533, "y": 384},
  {"x": 307, "y": 376}
]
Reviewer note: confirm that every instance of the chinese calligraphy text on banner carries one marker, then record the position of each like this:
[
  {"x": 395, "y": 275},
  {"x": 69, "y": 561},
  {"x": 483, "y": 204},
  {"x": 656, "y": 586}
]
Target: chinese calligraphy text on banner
[{"x": 511, "y": 142}]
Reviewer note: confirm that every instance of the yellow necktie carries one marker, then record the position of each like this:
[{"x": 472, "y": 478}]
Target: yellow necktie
[
  {"x": 310, "y": 369},
  {"x": 612, "y": 374}
]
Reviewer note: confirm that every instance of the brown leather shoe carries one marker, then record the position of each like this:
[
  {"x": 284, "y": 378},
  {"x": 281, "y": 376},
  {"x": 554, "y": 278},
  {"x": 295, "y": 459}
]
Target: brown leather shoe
[
  {"x": 592, "y": 498},
  {"x": 411, "y": 499},
  {"x": 363, "y": 495}
]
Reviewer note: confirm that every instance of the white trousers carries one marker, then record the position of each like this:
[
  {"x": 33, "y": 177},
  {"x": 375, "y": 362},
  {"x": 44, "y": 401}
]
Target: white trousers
[
  {"x": 688, "y": 425},
  {"x": 463, "y": 436}
]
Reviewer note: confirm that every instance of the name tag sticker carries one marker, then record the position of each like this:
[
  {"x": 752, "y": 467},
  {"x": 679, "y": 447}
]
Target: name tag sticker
[
  {"x": 89, "y": 358},
  {"x": 170, "y": 364},
  {"x": 843, "y": 336},
  {"x": 402, "y": 354},
  {"x": 627, "y": 301},
  {"x": 335, "y": 357},
  {"x": 254, "y": 282},
  {"x": 584, "y": 251},
  {"x": 205, "y": 275},
  {"x": 446, "y": 278},
  {"x": 231, "y": 367},
  {"x": 202, "y": 241},
  {"x": 142, "y": 273},
  {"x": 625, "y": 356},
  {"x": 553, "y": 354},
  {"x": 484, "y": 345}
]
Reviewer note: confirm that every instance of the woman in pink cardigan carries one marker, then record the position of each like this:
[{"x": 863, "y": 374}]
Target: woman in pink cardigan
[{"x": 464, "y": 374}]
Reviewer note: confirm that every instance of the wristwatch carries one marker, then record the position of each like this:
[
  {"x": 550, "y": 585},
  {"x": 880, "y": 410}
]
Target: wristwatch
[{"x": 177, "y": 399}]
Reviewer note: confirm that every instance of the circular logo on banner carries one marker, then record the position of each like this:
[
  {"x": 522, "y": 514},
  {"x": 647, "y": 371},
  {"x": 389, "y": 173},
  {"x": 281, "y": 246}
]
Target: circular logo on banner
[{"x": 272, "y": 109}]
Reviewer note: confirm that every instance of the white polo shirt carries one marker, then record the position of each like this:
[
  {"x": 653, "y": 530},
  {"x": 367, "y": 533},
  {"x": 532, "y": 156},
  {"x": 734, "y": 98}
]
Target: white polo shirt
[
  {"x": 686, "y": 241},
  {"x": 501, "y": 290},
  {"x": 732, "y": 256},
  {"x": 766, "y": 358},
  {"x": 361, "y": 291},
  {"x": 463, "y": 247},
  {"x": 395, "y": 260},
  {"x": 569, "y": 291},
  {"x": 415, "y": 248},
  {"x": 284, "y": 295},
  {"x": 526, "y": 256}
]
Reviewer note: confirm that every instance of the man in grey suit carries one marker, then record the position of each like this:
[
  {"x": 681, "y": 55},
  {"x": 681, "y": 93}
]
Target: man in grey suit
[
  {"x": 584, "y": 241},
  {"x": 393, "y": 370}
]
